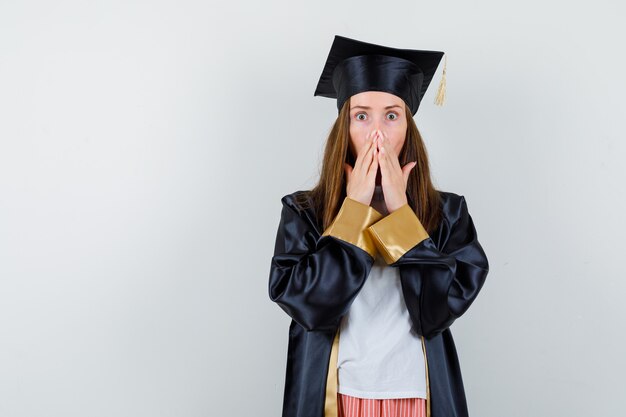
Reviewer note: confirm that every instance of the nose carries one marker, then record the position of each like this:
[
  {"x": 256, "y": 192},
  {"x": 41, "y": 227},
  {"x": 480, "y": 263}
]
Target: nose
[{"x": 376, "y": 126}]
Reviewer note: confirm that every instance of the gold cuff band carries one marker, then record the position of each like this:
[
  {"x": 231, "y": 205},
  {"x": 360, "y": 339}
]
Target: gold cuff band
[
  {"x": 351, "y": 223},
  {"x": 395, "y": 234}
]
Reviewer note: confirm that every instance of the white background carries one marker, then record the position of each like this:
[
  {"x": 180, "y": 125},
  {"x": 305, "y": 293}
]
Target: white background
[{"x": 145, "y": 146}]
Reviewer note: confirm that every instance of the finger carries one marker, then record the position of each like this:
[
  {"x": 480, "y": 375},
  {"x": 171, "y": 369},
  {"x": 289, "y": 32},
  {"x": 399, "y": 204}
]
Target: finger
[
  {"x": 374, "y": 159},
  {"x": 393, "y": 158},
  {"x": 366, "y": 146},
  {"x": 383, "y": 160},
  {"x": 369, "y": 157},
  {"x": 374, "y": 165},
  {"x": 366, "y": 160},
  {"x": 394, "y": 170},
  {"x": 388, "y": 169},
  {"x": 384, "y": 150}
]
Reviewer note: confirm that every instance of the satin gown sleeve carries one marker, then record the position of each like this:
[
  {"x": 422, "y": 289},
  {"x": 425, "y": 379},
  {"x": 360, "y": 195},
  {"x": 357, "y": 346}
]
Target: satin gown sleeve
[
  {"x": 314, "y": 278},
  {"x": 439, "y": 283}
]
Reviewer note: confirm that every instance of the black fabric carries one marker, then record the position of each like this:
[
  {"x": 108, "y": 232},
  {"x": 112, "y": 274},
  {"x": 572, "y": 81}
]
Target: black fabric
[
  {"x": 314, "y": 280},
  {"x": 355, "y": 66}
]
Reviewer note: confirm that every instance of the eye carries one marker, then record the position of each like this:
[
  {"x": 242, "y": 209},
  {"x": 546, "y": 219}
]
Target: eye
[
  {"x": 395, "y": 116},
  {"x": 360, "y": 114}
]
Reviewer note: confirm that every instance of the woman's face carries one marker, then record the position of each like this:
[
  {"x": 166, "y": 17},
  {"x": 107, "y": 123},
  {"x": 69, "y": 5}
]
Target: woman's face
[{"x": 371, "y": 110}]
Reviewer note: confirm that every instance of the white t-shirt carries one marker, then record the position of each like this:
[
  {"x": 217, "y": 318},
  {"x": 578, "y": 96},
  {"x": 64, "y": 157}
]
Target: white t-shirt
[{"x": 379, "y": 355}]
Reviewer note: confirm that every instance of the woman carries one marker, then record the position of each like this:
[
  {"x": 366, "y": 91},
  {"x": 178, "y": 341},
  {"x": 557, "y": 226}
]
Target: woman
[{"x": 373, "y": 264}]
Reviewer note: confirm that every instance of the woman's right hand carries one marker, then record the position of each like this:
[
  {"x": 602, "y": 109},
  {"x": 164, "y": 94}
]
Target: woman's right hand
[{"x": 361, "y": 180}]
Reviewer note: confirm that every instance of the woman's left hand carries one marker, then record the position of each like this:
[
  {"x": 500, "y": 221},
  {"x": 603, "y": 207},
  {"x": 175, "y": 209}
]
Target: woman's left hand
[{"x": 393, "y": 177}]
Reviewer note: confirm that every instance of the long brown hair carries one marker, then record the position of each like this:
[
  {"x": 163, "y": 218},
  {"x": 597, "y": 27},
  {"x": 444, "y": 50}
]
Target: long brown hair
[{"x": 327, "y": 196}]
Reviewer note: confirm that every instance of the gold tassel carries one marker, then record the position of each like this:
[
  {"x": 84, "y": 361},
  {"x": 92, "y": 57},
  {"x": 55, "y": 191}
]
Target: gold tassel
[{"x": 441, "y": 92}]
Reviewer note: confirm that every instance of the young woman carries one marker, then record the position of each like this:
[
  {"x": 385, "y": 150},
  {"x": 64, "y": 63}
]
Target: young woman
[{"x": 374, "y": 264}]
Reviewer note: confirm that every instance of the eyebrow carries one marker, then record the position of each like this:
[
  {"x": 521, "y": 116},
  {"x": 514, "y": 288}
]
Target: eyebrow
[{"x": 368, "y": 108}]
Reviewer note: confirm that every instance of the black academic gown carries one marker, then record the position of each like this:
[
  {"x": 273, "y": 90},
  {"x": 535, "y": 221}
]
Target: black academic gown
[{"x": 315, "y": 276}]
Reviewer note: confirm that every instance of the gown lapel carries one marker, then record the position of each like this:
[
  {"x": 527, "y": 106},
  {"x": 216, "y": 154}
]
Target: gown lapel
[{"x": 330, "y": 404}]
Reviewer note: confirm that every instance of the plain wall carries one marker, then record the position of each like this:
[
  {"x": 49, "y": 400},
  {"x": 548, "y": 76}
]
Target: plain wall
[{"x": 145, "y": 146}]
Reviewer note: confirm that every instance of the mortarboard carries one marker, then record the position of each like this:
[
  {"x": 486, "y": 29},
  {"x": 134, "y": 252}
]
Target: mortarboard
[{"x": 354, "y": 66}]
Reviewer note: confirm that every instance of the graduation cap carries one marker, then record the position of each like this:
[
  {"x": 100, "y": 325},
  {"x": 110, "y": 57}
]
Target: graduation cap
[{"x": 354, "y": 66}]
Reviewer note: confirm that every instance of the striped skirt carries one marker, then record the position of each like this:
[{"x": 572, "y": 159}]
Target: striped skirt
[{"x": 367, "y": 407}]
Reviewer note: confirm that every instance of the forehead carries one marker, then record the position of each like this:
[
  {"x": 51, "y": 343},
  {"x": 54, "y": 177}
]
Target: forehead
[{"x": 375, "y": 99}]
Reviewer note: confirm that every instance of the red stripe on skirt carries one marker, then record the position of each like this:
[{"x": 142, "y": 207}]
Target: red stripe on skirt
[{"x": 369, "y": 407}]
